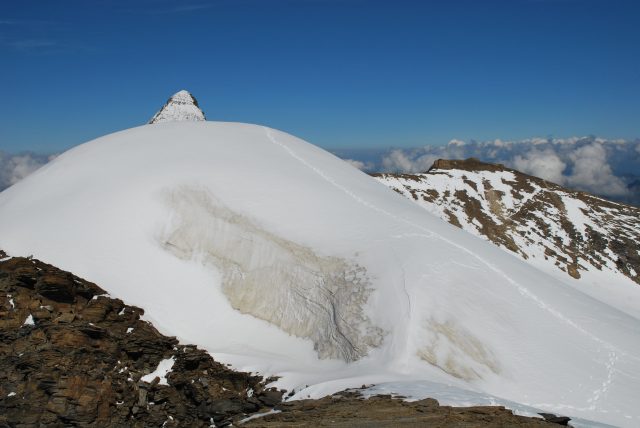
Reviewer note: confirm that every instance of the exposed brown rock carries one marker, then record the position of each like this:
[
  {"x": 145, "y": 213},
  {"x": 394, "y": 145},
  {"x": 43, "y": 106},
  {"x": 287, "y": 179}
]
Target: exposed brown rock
[
  {"x": 81, "y": 362},
  {"x": 470, "y": 164},
  {"x": 349, "y": 409}
]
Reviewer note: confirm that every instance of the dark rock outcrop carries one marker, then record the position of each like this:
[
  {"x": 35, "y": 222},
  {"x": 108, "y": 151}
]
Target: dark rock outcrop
[
  {"x": 560, "y": 420},
  {"x": 72, "y": 356},
  {"x": 470, "y": 164}
]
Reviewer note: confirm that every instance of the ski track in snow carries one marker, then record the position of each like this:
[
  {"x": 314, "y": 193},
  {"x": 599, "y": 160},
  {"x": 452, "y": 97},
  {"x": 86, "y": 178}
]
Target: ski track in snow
[
  {"x": 525, "y": 292},
  {"x": 404, "y": 283}
]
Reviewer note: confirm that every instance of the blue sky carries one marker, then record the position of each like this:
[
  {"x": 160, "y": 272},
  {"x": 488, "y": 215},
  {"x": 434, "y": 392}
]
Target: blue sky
[{"x": 338, "y": 73}]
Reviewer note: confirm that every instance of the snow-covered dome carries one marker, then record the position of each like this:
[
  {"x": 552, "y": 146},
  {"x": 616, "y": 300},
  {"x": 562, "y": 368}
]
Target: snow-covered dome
[
  {"x": 278, "y": 257},
  {"x": 182, "y": 106}
]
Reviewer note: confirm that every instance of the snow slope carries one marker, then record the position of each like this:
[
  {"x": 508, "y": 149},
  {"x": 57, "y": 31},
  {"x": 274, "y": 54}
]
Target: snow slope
[{"x": 280, "y": 258}]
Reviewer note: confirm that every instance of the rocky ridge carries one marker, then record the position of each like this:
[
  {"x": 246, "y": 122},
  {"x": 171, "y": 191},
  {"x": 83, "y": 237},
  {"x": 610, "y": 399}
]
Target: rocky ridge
[
  {"x": 540, "y": 221},
  {"x": 349, "y": 409}
]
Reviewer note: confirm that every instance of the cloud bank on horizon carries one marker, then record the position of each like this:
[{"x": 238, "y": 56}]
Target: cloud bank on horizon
[
  {"x": 15, "y": 167},
  {"x": 609, "y": 168}
]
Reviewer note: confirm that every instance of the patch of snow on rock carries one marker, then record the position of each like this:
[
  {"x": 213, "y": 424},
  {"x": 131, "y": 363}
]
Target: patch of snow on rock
[
  {"x": 163, "y": 369},
  {"x": 29, "y": 320}
]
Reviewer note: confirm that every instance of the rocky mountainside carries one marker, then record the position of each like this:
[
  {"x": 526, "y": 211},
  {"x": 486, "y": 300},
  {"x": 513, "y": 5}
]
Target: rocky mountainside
[
  {"x": 72, "y": 356},
  {"x": 542, "y": 222},
  {"x": 182, "y": 106}
]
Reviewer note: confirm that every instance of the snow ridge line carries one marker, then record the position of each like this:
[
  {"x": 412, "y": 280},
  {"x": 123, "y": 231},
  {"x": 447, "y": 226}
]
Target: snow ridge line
[
  {"x": 525, "y": 292},
  {"x": 332, "y": 181}
]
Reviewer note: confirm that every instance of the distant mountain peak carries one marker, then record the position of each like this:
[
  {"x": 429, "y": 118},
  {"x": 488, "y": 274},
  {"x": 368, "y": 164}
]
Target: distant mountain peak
[{"x": 182, "y": 106}]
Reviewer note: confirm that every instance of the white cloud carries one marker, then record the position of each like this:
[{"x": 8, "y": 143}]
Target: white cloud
[
  {"x": 541, "y": 163},
  {"x": 14, "y": 168},
  {"x": 592, "y": 172},
  {"x": 455, "y": 142},
  {"x": 362, "y": 166},
  {"x": 400, "y": 161},
  {"x": 538, "y": 141}
]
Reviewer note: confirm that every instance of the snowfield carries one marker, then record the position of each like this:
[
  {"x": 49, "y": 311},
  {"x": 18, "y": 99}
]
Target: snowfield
[{"x": 279, "y": 258}]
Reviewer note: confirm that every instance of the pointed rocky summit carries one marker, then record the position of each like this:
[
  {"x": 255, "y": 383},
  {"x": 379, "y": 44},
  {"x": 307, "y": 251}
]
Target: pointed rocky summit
[{"x": 182, "y": 106}]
